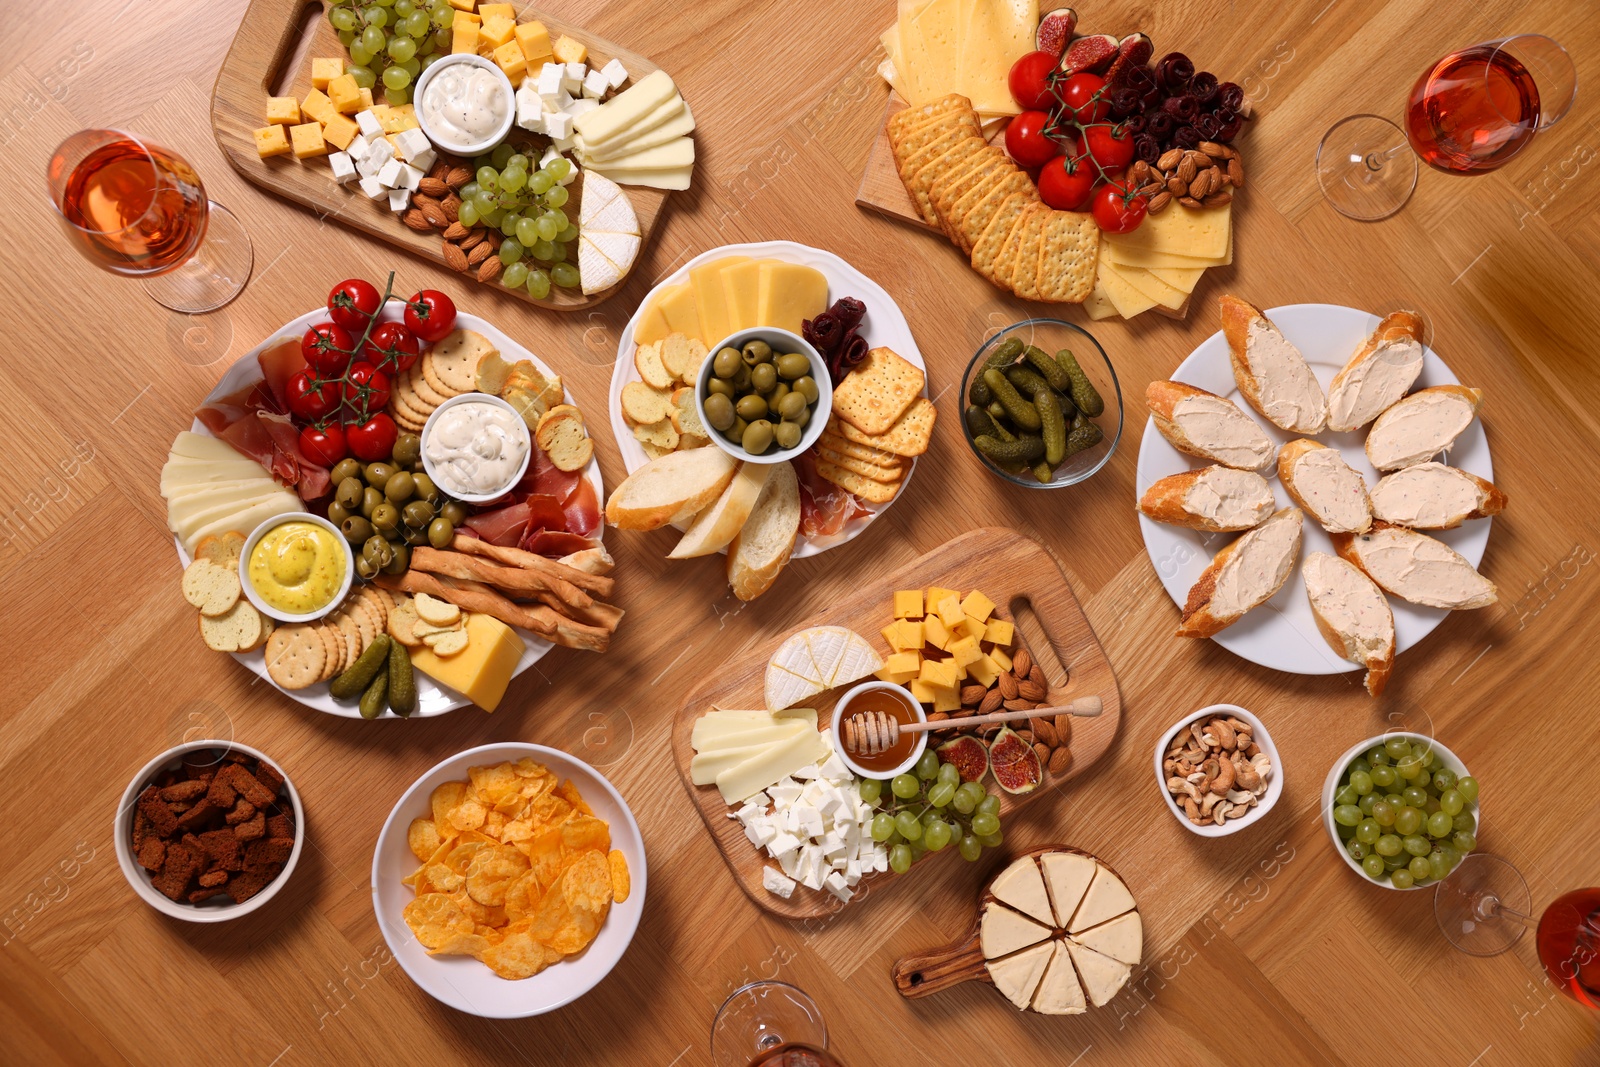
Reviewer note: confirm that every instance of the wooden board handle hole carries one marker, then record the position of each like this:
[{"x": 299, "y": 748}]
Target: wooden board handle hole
[
  {"x": 292, "y": 50},
  {"x": 1036, "y": 639}
]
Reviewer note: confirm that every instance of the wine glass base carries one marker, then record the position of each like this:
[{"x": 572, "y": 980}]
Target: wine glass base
[
  {"x": 215, "y": 274},
  {"x": 1466, "y": 904},
  {"x": 760, "y": 1016},
  {"x": 1365, "y": 167}
]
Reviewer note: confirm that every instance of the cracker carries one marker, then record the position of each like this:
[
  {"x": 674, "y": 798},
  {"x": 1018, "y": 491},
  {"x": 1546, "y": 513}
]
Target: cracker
[
  {"x": 909, "y": 436},
  {"x": 831, "y": 438},
  {"x": 378, "y": 603},
  {"x": 1022, "y": 248},
  {"x": 953, "y": 159},
  {"x": 404, "y": 394},
  {"x": 1068, "y": 249},
  {"x": 851, "y": 482},
  {"x": 878, "y": 472},
  {"x": 877, "y": 392},
  {"x": 905, "y": 119},
  {"x": 455, "y": 359},
  {"x": 295, "y": 656},
  {"x": 970, "y": 226},
  {"x": 987, "y": 250},
  {"x": 918, "y": 176},
  {"x": 351, "y": 632},
  {"x": 364, "y": 619},
  {"x": 951, "y": 187},
  {"x": 401, "y": 621},
  {"x": 647, "y": 360},
  {"x": 428, "y": 396},
  {"x": 432, "y": 381},
  {"x": 333, "y": 641},
  {"x": 404, "y": 420}
]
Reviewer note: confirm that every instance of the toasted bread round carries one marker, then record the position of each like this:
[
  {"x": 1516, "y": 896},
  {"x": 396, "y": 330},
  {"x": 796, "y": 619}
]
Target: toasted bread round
[
  {"x": 212, "y": 588},
  {"x": 239, "y": 629},
  {"x": 643, "y": 404}
]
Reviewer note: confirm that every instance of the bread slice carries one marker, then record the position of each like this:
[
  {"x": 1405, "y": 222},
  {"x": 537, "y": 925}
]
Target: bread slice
[
  {"x": 686, "y": 416},
  {"x": 564, "y": 439},
  {"x": 1432, "y": 496},
  {"x": 1208, "y": 426},
  {"x": 1353, "y": 615},
  {"x": 1243, "y": 575},
  {"x": 643, "y": 404},
  {"x": 688, "y": 481},
  {"x": 1382, "y": 370},
  {"x": 1215, "y": 499},
  {"x": 647, "y": 359},
  {"x": 763, "y": 546},
  {"x": 212, "y": 588},
  {"x": 719, "y": 524},
  {"x": 1422, "y": 425},
  {"x": 1271, "y": 372},
  {"x": 1416, "y": 567},
  {"x": 239, "y": 629},
  {"x": 1318, "y": 479}
]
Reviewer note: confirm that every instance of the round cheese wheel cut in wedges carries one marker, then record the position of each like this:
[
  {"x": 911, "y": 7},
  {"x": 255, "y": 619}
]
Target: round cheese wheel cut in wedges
[
  {"x": 1243, "y": 575},
  {"x": 1422, "y": 425},
  {"x": 1353, "y": 615},
  {"x": 1416, "y": 567},
  {"x": 1318, "y": 479},
  {"x": 678, "y": 483},
  {"x": 1271, "y": 372}
]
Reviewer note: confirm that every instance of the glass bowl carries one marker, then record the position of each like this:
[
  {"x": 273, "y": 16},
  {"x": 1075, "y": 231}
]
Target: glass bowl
[{"x": 1052, "y": 335}]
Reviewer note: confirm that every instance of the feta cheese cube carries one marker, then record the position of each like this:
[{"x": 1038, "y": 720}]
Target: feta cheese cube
[
  {"x": 373, "y": 189},
  {"x": 852, "y": 872},
  {"x": 595, "y": 85},
  {"x": 615, "y": 73},
  {"x": 399, "y": 200},
  {"x": 835, "y": 884},
  {"x": 424, "y": 160},
  {"x": 833, "y": 767},
  {"x": 790, "y": 863},
  {"x": 805, "y": 774},
  {"x": 811, "y": 821},
  {"x": 776, "y": 882},
  {"x": 368, "y": 123},
  {"x": 558, "y": 124},
  {"x": 357, "y": 149},
  {"x": 412, "y": 142},
  {"x": 379, "y": 151},
  {"x": 787, "y": 791},
  {"x": 572, "y": 77},
  {"x": 781, "y": 844},
  {"x": 344, "y": 168},
  {"x": 530, "y": 109},
  {"x": 410, "y": 177},
  {"x": 578, "y": 107},
  {"x": 389, "y": 174},
  {"x": 549, "y": 86},
  {"x": 832, "y": 844}
]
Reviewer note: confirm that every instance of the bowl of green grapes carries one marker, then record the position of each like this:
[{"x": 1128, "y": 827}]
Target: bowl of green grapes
[{"x": 1401, "y": 809}]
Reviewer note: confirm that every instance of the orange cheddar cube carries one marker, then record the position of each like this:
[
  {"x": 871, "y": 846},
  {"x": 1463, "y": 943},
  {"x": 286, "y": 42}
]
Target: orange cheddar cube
[
  {"x": 965, "y": 651},
  {"x": 495, "y": 31},
  {"x": 984, "y": 671},
  {"x": 284, "y": 110},
  {"x": 317, "y": 106},
  {"x": 324, "y": 71},
  {"x": 1000, "y": 658},
  {"x": 934, "y": 632},
  {"x": 508, "y": 11},
  {"x": 307, "y": 141},
  {"x": 1000, "y": 631},
  {"x": 509, "y": 58},
  {"x": 978, "y": 606},
  {"x": 463, "y": 37},
  {"x": 481, "y": 671},
  {"x": 271, "y": 141},
  {"x": 908, "y": 604},
  {"x": 534, "y": 40},
  {"x": 345, "y": 94},
  {"x": 340, "y": 131}
]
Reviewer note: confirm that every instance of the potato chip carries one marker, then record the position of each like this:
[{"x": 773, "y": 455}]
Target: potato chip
[
  {"x": 518, "y": 955},
  {"x": 443, "y": 800},
  {"x": 621, "y": 881},
  {"x": 480, "y": 914},
  {"x": 469, "y": 943},
  {"x": 526, "y": 767},
  {"x": 549, "y": 810},
  {"x": 434, "y": 919},
  {"x": 439, "y": 878},
  {"x": 583, "y": 833},
  {"x": 494, "y": 825},
  {"x": 460, "y": 857},
  {"x": 492, "y": 871},
  {"x": 517, "y": 830},
  {"x": 423, "y": 837},
  {"x": 494, "y": 784},
  {"x": 468, "y": 815},
  {"x": 523, "y": 896},
  {"x": 544, "y": 856},
  {"x": 570, "y": 794}
]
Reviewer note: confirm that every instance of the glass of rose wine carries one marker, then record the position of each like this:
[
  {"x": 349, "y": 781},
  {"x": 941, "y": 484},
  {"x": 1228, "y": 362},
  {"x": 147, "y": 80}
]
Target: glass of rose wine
[
  {"x": 770, "y": 1024},
  {"x": 1468, "y": 113},
  {"x": 135, "y": 208}
]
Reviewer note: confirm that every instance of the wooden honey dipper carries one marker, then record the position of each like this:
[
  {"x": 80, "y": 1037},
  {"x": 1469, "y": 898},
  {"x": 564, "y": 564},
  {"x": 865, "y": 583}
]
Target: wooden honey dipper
[{"x": 871, "y": 733}]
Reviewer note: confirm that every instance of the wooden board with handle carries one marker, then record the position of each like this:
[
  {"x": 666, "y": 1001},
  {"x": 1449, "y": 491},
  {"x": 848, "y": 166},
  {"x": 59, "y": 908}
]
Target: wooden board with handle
[
  {"x": 1012, "y": 570},
  {"x": 269, "y": 39}
]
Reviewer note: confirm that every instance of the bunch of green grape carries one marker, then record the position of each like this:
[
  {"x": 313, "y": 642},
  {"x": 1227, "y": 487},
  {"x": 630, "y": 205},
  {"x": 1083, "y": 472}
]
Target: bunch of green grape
[
  {"x": 1404, "y": 817},
  {"x": 525, "y": 203},
  {"x": 392, "y": 40},
  {"x": 928, "y": 808}
]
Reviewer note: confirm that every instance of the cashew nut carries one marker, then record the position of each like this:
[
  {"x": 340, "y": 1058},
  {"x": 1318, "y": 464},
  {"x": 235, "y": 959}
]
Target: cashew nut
[
  {"x": 1252, "y": 749},
  {"x": 1178, "y": 786},
  {"x": 1245, "y": 773},
  {"x": 1219, "y": 814},
  {"x": 1195, "y": 776},
  {"x": 1222, "y": 777},
  {"x": 1224, "y": 734},
  {"x": 1195, "y": 730},
  {"x": 1208, "y": 802},
  {"x": 1240, "y": 726},
  {"x": 1239, "y": 796},
  {"x": 1191, "y": 810},
  {"x": 1178, "y": 741}
]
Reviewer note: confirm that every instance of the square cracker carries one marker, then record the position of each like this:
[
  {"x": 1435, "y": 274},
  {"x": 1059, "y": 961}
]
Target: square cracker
[
  {"x": 1005, "y": 267},
  {"x": 851, "y": 482},
  {"x": 902, "y": 121},
  {"x": 1068, "y": 249},
  {"x": 833, "y": 439},
  {"x": 874, "y": 395},
  {"x": 954, "y": 158},
  {"x": 959, "y": 180},
  {"x": 889, "y": 474},
  {"x": 916, "y": 175},
  {"x": 995, "y": 172},
  {"x": 987, "y": 250},
  {"x": 915, "y": 139},
  {"x": 909, "y": 436},
  {"x": 1024, "y": 242},
  {"x": 971, "y": 224}
]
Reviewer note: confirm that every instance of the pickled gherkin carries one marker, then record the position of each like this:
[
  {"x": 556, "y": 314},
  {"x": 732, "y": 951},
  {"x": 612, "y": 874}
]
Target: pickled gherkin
[
  {"x": 1020, "y": 411},
  {"x": 1084, "y": 394}
]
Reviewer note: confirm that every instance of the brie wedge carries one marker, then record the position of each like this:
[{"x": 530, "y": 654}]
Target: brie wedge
[
  {"x": 1002, "y": 931},
  {"x": 1067, "y": 875},
  {"x": 1102, "y": 976},
  {"x": 1059, "y": 992},
  {"x": 1122, "y": 938},
  {"x": 1018, "y": 976},
  {"x": 1021, "y": 886}
]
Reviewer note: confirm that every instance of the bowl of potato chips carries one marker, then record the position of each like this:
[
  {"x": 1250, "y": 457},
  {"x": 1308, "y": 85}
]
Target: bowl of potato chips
[{"x": 509, "y": 880}]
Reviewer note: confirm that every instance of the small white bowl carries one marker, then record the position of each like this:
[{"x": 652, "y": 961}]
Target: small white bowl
[
  {"x": 782, "y": 341},
  {"x": 918, "y": 746},
  {"x": 419, "y": 93},
  {"x": 443, "y": 482},
  {"x": 219, "y": 908},
  {"x": 271, "y": 524},
  {"x": 1262, "y": 738},
  {"x": 1330, "y": 786},
  {"x": 461, "y": 981}
]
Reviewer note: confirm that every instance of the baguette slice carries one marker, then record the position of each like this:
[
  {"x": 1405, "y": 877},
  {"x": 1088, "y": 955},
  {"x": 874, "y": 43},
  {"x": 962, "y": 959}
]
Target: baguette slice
[
  {"x": 1271, "y": 372},
  {"x": 1416, "y": 567},
  {"x": 1318, "y": 479},
  {"x": 1206, "y": 425},
  {"x": 763, "y": 546},
  {"x": 1353, "y": 615},
  {"x": 1432, "y": 496},
  {"x": 1243, "y": 575},
  {"x": 719, "y": 524},
  {"x": 1215, "y": 499},
  {"x": 679, "y": 482},
  {"x": 1379, "y": 374},
  {"x": 1421, "y": 426}
]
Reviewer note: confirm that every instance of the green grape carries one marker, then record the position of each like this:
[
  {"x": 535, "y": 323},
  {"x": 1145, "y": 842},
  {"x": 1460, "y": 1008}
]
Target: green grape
[
  {"x": 1416, "y": 797},
  {"x": 1449, "y": 852},
  {"x": 907, "y": 826},
  {"x": 994, "y": 840},
  {"x": 488, "y": 179},
  {"x": 402, "y": 48},
  {"x": 440, "y": 41},
  {"x": 538, "y": 284},
  {"x": 469, "y": 190},
  {"x": 968, "y": 795},
  {"x": 515, "y": 275},
  {"x": 360, "y": 54},
  {"x": 1345, "y": 832},
  {"x": 501, "y": 155},
  {"x": 364, "y": 77},
  {"x": 1397, "y": 747},
  {"x": 1432, "y": 805},
  {"x": 443, "y": 16},
  {"x": 1438, "y": 866},
  {"x": 984, "y": 823},
  {"x": 1416, "y": 844},
  {"x": 1368, "y": 831},
  {"x": 1444, "y": 778},
  {"x": 1345, "y": 795},
  {"x": 485, "y": 201},
  {"x": 1465, "y": 822},
  {"x": 949, "y": 772},
  {"x": 1451, "y": 802},
  {"x": 1373, "y": 865},
  {"x": 376, "y": 19},
  {"x": 1387, "y": 845},
  {"x": 479, "y": 162},
  {"x": 513, "y": 178},
  {"x": 545, "y": 229},
  {"x": 1408, "y": 767},
  {"x": 1424, "y": 750},
  {"x": 1464, "y": 840},
  {"x": 343, "y": 18},
  {"x": 347, "y": 37},
  {"x": 941, "y": 793},
  {"x": 1360, "y": 764},
  {"x": 412, "y": 66},
  {"x": 404, "y": 7},
  {"x": 540, "y": 182},
  {"x": 1383, "y": 776},
  {"x": 989, "y": 804},
  {"x": 429, "y": 61},
  {"x": 1361, "y": 782},
  {"x": 1383, "y": 812},
  {"x": 397, "y": 97},
  {"x": 894, "y": 836},
  {"x": 1366, "y": 803},
  {"x": 970, "y": 847},
  {"x": 1357, "y": 850},
  {"x": 1402, "y": 879},
  {"x": 543, "y": 251},
  {"x": 1419, "y": 867},
  {"x": 568, "y": 234},
  {"x": 918, "y": 850},
  {"x": 467, "y": 214},
  {"x": 383, "y": 3},
  {"x": 869, "y": 790},
  {"x": 905, "y": 786},
  {"x": 882, "y": 826},
  {"x": 1468, "y": 788},
  {"x": 508, "y": 225},
  {"x": 1394, "y": 863},
  {"x": 564, "y": 275},
  {"x": 1376, "y": 756},
  {"x": 416, "y": 25},
  {"x": 518, "y": 160},
  {"x": 396, "y": 78},
  {"x": 900, "y": 859},
  {"x": 1440, "y": 824},
  {"x": 556, "y": 196},
  {"x": 928, "y": 817},
  {"x": 559, "y": 168},
  {"x": 927, "y": 767},
  {"x": 937, "y": 836},
  {"x": 1407, "y": 820}
]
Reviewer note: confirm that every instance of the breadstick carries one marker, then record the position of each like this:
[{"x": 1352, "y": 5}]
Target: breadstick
[
  {"x": 545, "y": 622},
  {"x": 584, "y": 579},
  {"x": 473, "y": 569}
]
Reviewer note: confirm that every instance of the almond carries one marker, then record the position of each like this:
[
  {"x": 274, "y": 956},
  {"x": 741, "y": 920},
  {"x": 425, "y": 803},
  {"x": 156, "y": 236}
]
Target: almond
[
  {"x": 991, "y": 702},
  {"x": 1186, "y": 171},
  {"x": 1200, "y": 188},
  {"x": 471, "y": 240},
  {"x": 1169, "y": 159},
  {"x": 1008, "y": 685},
  {"x": 1139, "y": 173},
  {"x": 457, "y": 177},
  {"x": 1218, "y": 199},
  {"x": 479, "y": 253},
  {"x": 416, "y": 220},
  {"x": 1159, "y": 202},
  {"x": 434, "y": 187},
  {"x": 455, "y": 232},
  {"x": 1212, "y": 149},
  {"x": 1031, "y": 690},
  {"x": 490, "y": 269},
  {"x": 1019, "y": 705},
  {"x": 493, "y": 238},
  {"x": 1021, "y": 663},
  {"x": 454, "y": 258},
  {"x": 1042, "y": 750},
  {"x": 1201, "y": 160},
  {"x": 1150, "y": 189},
  {"x": 1043, "y": 731},
  {"x": 938, "y": 716},
  {"x": 1060, "y": 760},
  {"x": 440, "y": 168},
  {"x": 971, "y": 694},
  {"x": 433, "y": 213},
  {"x": 1026, "y": 735},
  {"x": 1236, "y": 172},
  {"x": 1036, "y": 676},
  {"x": 451, "y": 205},
  {"x": 1177, "y": 186},
  {"x": 1063, "y": 726},
  {"x": 1189, "y": 201}
]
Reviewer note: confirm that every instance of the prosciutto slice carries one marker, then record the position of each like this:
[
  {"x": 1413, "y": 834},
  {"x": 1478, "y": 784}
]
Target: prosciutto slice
[
  {"x": 255, "y": 420},
  {"x": 824, "y": 507},
  {"x": 554, "y": 543},
  {"x": 502, "y": 526}
]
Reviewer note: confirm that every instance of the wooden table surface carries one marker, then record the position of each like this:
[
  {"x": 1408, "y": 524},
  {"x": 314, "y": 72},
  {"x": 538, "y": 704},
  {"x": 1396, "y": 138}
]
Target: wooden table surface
[{"x": 1262, "y": 948}]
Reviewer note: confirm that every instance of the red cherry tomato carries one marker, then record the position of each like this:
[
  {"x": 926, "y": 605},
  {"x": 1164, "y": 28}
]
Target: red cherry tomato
[
  {"x": 324, "y": 444},
  {"x": 392, "y": 348},
  {"x": 311, "y": 398},
  {"x": 1026, "y": 141},
  {"x": 1067, "y": 182},
  {"x": 1111, "y": 146},
  {"x": 366, "y": 390},
  {"x": 1116, "y": 211},
  {"x": 430, "y": 315},
  {"x": 327, "y": 347},
  {"x": 352, "y": 303},
  {"x": 374, "y": 439},
  {"x": 1079, "y": 96},
  {"x": 1029, "y": 80}
]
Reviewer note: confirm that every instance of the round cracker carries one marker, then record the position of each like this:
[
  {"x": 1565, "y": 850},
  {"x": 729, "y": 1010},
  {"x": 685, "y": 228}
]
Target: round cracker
[
  {"x": 296, "y": 656},
  {"x": 426, "y": 397},
  {"x": 376, "y": 603},
  {"x": 334, "y": 644},
  {"x": 434, "y": 380},
  {"x": 454, "y": 360},
  {"x": 351, "y": 632},
  {"x": 405, "y": 397},
  {"x": 403, "y": 419},
  {"x": 366, "y": 621}
]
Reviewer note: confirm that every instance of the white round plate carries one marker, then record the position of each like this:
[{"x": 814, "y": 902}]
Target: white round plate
[
  {"x": 1282, "y": 633},
  {"x": 461, "y": 981},
  {"x": 883, "y": 326},
  {"x": 432, "y": 698}
]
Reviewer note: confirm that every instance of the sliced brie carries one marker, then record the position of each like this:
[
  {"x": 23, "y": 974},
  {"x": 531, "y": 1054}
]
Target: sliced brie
[
  {"x": 616, "y": 216},
  {"x": 1018, "y": 976},
  {"x": 1059, "y": 992},
  {"x": 1022, "y": 886},
  {"x": 1105, "y": 899},
  {"x": 1067, "y": 875},
  {"x": 1003, "y": 931},
  {"x": 1122, "y": 938},
  {"x": 595, "y": 271},
  {"x": 1102, "y": 976}
]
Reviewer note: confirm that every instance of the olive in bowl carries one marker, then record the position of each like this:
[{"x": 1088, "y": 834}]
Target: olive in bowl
[{"x": 765, "y": 395}]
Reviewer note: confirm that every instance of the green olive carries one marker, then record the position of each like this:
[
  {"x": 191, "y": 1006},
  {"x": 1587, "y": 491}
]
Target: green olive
[
  {"x": 366, "y": 568},
  {"x": 370, "y": 499},
  {"x": 735, "y": 433},
  {"x": 757, "y": 437},
  {"x": 337, "y": 513},
  {"x": 802, "y": 419},
  {"x": 455, "y": 511},
  {"x": 425, "y": 488},
  {"x": 349, "y": 492},
  {"x": 400, "y": 487},
  {"x": 794, "y": 365},
  {"x": 378, "y": 474},
  {"x": 720, "y": 387},
  {"x": 413, "y": 535},
  {"x": 750, "y": 408},
  {"x": 788, "y": 434},
  {"x": 793, "y": 406},
  {"x": 345, "y": 468},
  {"x": 356, "y": 529},
  {"x": 401, "y": 561},
  {"x": 385, "y": 518},
  {"x": 376, "y": 551},
  {"x": 441, "y": 533},
  {"x": 407, "y": 450},
  {"x": 418, "y": 513},
  {"x": 756, "y": 352},
  {"x": 763, "y": 377},
  {"x": 741, "y": 380},
  {"x": 725, "y": 364},
  {"x": 808, "y": 386},
  {"x": 719, "y": 411}
]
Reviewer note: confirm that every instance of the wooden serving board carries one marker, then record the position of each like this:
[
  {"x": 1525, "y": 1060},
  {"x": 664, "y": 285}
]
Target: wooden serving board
[
  {"x": 1010, "y": 568},
  {"x": 269, "y": 38}
]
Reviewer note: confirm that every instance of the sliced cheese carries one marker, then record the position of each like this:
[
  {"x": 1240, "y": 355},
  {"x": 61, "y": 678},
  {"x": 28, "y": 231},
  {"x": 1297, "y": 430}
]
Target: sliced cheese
[
  {"x": 1003, "y": 931},
  {"x": 627, "y": 108},
  {"x": 181, "y": 472},
  {"x": 1102, "y": 976},
  {"x": 1183, "y": 279},
  {"x": 1201, "y": 234},
  {"x": 1105, "y": 899},
  {"x": 713, "y": 740},
  {"x": 1152, "y": 287},
  {"x": 678, "y": 152},
  {"x": 678, "y": 308},
  {"x": 242, "y": 521},
  {"x": 1122, "y": 938},
  {"x": 677, "y": 124},
  {"x": 1123, "y": 296},
  {"x": 1138, "y": 256},
  {"x": 711, "y": 299},
  {"x": 242, "y": 487},
  {"x": 705, "y": 766},
  {"x": 1018, "y": 976},
  {"x": 775, "y": 762},
  {"x": 787, "y": 293},
  {"x": 664, "y": 113},
  {"x": 673, "y": 178},
  {"x": 740, "y": 285},
  {"x": 1059, "y": 992},
  {"x": 191, "y": 445},
  {"x": 1022, "y": 886},
  {"x": 1097, "y": 303},
  {"x": 1067, "y": 875},
  {"x": 191, "y": 512},
  {"x": 652, "y": 326}
]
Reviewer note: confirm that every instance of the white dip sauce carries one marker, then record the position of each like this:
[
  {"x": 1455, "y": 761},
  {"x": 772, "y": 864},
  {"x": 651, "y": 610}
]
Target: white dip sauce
[
  {"x": 477, "y": 448},
  {"x": 464, "y": 104}
]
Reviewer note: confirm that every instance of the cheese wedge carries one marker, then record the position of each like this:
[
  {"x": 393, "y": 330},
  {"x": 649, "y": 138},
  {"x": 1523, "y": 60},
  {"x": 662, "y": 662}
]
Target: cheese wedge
[
  {"x": 1002, "y": 931},
  {"x": 1059, "y": 992},
  {"x": 1018, "y": 976},
  {"x": 1122, "y": 938},
  {"x": 1103, "y": 977},
  {"x": 1105, "y": 899},
  {"x": 1067, "y": 876},
  {"x": 1022, "y": 886}
]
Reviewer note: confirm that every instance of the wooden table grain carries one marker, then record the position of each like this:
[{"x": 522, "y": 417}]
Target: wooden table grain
[{"x": 1262, "y": 948}]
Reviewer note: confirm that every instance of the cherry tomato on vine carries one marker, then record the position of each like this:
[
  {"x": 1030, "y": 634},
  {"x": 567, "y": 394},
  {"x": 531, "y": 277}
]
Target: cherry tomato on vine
[
  {"x": 391, "y": 348},
  {"x": 352, "y": 302},
  {"x": 430, "y": 315},
  {"x": 324, "y": 445},
  {"x": 327, "y": 347},
  {"x": 311, "y": 398},
  {"x": 1111, "y": 146},
  {"x": 1067, "y": 182},
  {"x": 363, "y": 380},
  {"x": 1029, "y": 80},
  {"x": 1115, "y": 211},
  {"x": 1026, "y": 141},
  {"x": 372, "y": 440},
  {"x": 1078, "y": 94}
]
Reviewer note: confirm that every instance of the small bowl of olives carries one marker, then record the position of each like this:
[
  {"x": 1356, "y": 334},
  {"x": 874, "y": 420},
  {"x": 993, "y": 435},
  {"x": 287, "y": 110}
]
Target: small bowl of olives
[
  {"x": 386, "y": 508},
  {"x": 764, "y": 394}
]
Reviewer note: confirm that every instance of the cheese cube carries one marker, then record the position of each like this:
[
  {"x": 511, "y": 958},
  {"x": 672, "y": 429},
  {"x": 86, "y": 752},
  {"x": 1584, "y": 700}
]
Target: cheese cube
[
  {"x": 558, "y": 124},
  {"x": 949, "y": 611},
  {"x": 345, "y": 94},
  {"x": 548, "y": 84},
  {"x": 471, "y": 18},
  {"x": 530, "y": 109},
  {"x": 985, "y": 671},
  {"x": 408, "y": 143},
  {"x": 946, "y": 700},
  {"x": 307, "y": 140},
  {"x": 389, "y": 173},
  {"x": 463, "y": 37},
  {"x": 366, "y": 97},
  {"x": 317, "y": 106},
  {"x": 788, "y": 861},
  {"x": 908, "y": 604},
  {"x": 399, "y": 119},
  {"x": 904, "y": 661},
  {"x": 367, "y": 122},
  {"x": 463, "y": 5},
  {"x": 921, "y": 691},
  {"x": 283, "y": 109},
  {"x": 568, "y": 50},
  {"x": 1000, "y": 631},
  {"x": 324, "y": 71},
  {"x": 344, "y": 168},
  {"x": 1000, "y": 658},
  {"x": 978, "y": 606},
  {"x": 938, "y": 673},
  {"x": 357, "y": 148},
  {"x": 507, "y": 11},
  {"x": 783, "y": 794},
  {"x": 811, "y": 821},
  {"x": 534, "y": 41},
  {"x": 424, "y": 160},
  {"x": 970, "y": 627},
  {"x": 615, "y": 73},
  {"x": 340, "y": 130},
  {"x": 410, "y": 177},
  {"x": 483, "y": 669},
  {"x": 271, "y": 141},
  {"x": 579, "y": 107},
  {"x": 399, "y": 200},
  {"x": 937, "y": 593},
  {"x": 495, "y": 31},
  {"x": 884, "y": 674},
  {"x": 777, "y": 882},
  {"x": 509, "y": 58},
  {"x": 595, "y": 85},
  {"x": 965, "y": 651},
  {"x": 934, "y": 632},
  {"x": 372, "y": 187},
  {"x": 835, "y": 884},
  {"x": 572, "y": 77}
]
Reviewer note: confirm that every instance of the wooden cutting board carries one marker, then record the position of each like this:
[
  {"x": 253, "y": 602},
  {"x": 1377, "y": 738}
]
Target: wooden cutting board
[
  {"x": 1013, "y": 570},
  {"x": 270, "y": 38}
]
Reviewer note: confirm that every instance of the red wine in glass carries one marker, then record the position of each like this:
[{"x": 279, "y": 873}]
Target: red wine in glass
[
  {"x": 1569, "y": 944},
  {"x": 1473, "y": 110}
]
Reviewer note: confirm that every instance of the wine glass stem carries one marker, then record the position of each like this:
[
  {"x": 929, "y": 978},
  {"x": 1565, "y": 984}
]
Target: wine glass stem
[{"x": 1490, "y": 907}]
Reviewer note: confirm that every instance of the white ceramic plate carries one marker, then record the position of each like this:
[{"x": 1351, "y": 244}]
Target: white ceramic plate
[
  {"x": 432, "y": 698},
  {"x": 883, "y": 326},
  {"x": 1282, "y": 633},
  {"x": 461, "y": 981}
]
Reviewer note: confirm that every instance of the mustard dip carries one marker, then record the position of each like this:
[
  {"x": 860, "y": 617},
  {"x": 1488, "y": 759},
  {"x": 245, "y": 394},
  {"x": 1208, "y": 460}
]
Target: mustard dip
[{"x": 297, "y": 567}]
